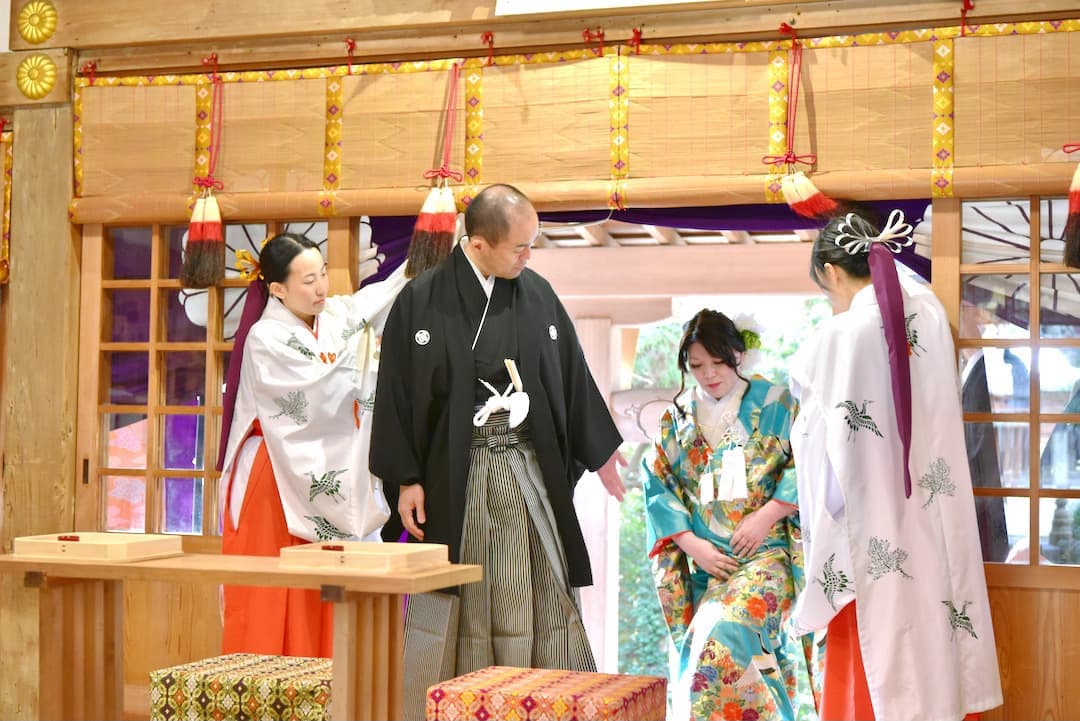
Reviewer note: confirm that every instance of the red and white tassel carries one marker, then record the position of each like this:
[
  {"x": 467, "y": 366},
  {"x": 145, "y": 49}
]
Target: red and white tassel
[
  {"x": 204, "y": 255},
  {"x": 1072, "y": 224},
  {"x": 433, "y": 234},
  {"x": 805, "y": 198}
]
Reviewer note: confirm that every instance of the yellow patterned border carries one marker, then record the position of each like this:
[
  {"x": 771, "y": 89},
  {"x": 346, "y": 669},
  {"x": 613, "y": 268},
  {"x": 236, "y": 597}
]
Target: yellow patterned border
[
  {"x": 335, "y": 109},
  {"x": 77, "y": 138},
  {"x": 944, "y": 125},
  {"x": 6, "y": 140},
  {"x": 619, "y": 110},
  {"x": 474, "y": 132},
  {"x": 778, "y": 129},
  {"x": 204, "y": 110}
]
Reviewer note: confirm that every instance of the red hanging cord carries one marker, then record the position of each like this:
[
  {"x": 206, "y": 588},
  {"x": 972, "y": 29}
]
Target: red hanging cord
[
  {"x": 965, "y": 6},
  {"x": 488, "y": 39},
  {"x": 598, "y": 36},
  {"x": 350, "y": 48},
  {"x": 89, "y": 68},
  {"x": 794, "y": 75},
  {"x": 635, "y": 41},
  {"x": 3, "y": 124},
  {"x": 209, "y": 181},
  {"x": 444, "y": 171},
  {"x": 1070, "y": 147}
]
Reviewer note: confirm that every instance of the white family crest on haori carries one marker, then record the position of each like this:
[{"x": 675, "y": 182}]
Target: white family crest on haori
[{"x": 313, "y": 393}]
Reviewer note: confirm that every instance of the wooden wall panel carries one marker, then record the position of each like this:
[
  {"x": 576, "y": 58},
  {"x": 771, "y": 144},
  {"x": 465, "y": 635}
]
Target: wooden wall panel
[
  {"x": 698, "y": 114},
  {"x": 392, "y": 128},
  {"x": 866, "y": 108},
  {"x": 39, "y": 395},
  {"x": 1038, "y": 640},
  {"x": 138, "y": 139},
  {"x": 1017, "y": 98},
  {"x": 547, "y": 122},
  {"x": 274, "y": 136}
]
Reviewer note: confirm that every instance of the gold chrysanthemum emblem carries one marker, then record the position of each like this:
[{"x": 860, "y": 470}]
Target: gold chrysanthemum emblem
[
  {"x": 36, "y": 76},
  {"x": 37, "y": 21}
]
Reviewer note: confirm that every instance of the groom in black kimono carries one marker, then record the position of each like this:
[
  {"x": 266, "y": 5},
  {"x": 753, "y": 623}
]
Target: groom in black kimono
[{"x": 497, "y": 495}]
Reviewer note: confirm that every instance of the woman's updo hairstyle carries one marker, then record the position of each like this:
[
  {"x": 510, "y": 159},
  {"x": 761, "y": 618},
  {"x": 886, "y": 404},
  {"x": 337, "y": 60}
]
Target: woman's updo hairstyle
[{"x": 278, "y": 253}]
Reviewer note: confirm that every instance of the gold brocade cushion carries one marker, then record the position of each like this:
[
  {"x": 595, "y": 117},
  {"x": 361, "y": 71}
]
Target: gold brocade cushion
[
  {"x": 243, "y": 686},
  {"x": 503, "y": 692}
]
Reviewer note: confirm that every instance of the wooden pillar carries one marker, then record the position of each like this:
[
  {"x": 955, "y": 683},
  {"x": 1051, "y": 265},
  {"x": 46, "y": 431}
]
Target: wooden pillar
[
  {"x": 598, "y": 512},
  {"x": 38, "y": 398}
]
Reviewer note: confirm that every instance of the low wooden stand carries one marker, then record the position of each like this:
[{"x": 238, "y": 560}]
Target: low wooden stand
[{"x": 81, "y": 622}]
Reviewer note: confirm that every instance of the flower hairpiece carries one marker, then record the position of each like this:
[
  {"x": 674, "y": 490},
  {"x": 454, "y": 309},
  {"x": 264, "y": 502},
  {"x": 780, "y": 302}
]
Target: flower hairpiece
[
  {"x": 895, "y": 235},
  {"x": 750, "y": 333},
  {"x": 248, "y": 265}
]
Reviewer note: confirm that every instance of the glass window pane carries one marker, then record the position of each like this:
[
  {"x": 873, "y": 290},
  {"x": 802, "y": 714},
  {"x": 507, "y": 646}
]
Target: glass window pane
[
  {"x": 184, "y": 377},
  {"x": 995, "y": 379},
  {"x": 993, "y": 529},
  {"x": 125, "y": 503},
  {"x": 127, "y": 315},
  {"x": 184, "y": 436},
  {"x": 1059, "y": 380},
  {"x": 994, "y": 306},
  {"x": 179, "y": 328},
  {"x": 1059, "y": 531},
  {"x": 998, "y": 454},
  {"x": 1060, "y": 305},
  {"x": 1059, "y": 459},
  {"x": 125, "y": 440},
  {"x": 183, "y": 505},
  {"x": 1004, "y": 526},
  {"x": 131, "y": 252},
  {"x": 128, "y": 377},
  {"x": 1053, "y": 214},
  {"x": 995, "y": 231}
]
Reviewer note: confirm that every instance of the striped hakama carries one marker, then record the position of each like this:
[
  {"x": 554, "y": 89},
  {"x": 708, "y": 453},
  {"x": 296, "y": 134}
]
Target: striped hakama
[{"x": 523, "y": 613}]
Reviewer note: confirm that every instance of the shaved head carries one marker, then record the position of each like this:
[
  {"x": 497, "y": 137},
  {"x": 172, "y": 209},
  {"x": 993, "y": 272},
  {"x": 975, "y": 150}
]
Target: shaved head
[{"x": 492, "y": 212}]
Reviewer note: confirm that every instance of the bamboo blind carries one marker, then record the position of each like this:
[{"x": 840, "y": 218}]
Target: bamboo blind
[
  {"x": 137, "y": 139},
  {"x": 273, "y": 136},
  {"x": 867, "y": 108},
  {"x": 886, "y": 114},
  {"x": 392, "y": 128},
  {"x": 698, "y": 114},
  {"x": 1017, "y": 98},
  {"x": 547, "y": 122}
]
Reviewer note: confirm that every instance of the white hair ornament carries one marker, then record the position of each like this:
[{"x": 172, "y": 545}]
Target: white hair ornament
[{"x": 895, "y": 235}]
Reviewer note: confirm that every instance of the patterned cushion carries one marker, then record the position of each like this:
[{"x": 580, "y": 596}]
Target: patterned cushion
[
  {"x": 502, "y": 692},
  {"x": 243, "y": 686}
]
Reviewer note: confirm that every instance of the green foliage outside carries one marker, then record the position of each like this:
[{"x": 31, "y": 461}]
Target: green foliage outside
[{"x": 643, "y": 635}]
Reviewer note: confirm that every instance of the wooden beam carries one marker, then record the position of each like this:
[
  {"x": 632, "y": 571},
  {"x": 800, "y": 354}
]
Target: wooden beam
[
  {"x": 595, "y": 234},
  {"x": 40, "y": 393},
  {"x": 10, "y": 95},
  {"x": 621, "y": 310},
  {"x": 672, "y": 271},
  {"x": 737, "y": 237},
  {"x": 126, "y": 34},
  {"x": 666, "y": 236}
]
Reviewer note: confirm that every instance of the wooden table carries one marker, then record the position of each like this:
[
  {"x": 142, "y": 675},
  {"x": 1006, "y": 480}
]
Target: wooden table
[{"x": 81, "y": 620}]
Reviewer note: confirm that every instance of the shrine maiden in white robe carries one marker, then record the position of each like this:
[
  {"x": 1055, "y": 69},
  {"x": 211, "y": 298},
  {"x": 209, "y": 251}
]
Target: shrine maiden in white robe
[
  {"x": 312, "y": 392},
  {"x": 914, "y": 564}
]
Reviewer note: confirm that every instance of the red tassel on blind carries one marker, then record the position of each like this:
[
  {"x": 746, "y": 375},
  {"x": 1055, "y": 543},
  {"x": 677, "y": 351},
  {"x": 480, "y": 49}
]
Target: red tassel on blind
[{"x": 805, "y": 198}]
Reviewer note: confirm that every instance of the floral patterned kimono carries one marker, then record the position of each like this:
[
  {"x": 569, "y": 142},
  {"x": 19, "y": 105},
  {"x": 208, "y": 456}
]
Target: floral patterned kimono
[{"x": 730, "y": 658}]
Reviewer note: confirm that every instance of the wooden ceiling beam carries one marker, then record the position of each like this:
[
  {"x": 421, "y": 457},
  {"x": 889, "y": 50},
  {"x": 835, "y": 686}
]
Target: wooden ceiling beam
[
  {"x": 669, "y": 271},
  {"x": 124, "y": 35},
  {"x": 665, "y": 235}
]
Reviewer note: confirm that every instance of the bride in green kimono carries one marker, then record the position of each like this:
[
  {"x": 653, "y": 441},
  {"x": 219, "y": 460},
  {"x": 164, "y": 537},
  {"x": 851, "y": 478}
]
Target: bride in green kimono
[{"x": 720, "y": 495}]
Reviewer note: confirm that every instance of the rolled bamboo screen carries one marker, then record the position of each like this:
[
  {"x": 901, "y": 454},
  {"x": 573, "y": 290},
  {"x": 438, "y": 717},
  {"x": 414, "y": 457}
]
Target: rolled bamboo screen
[{"x": 901, "y": 114}]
